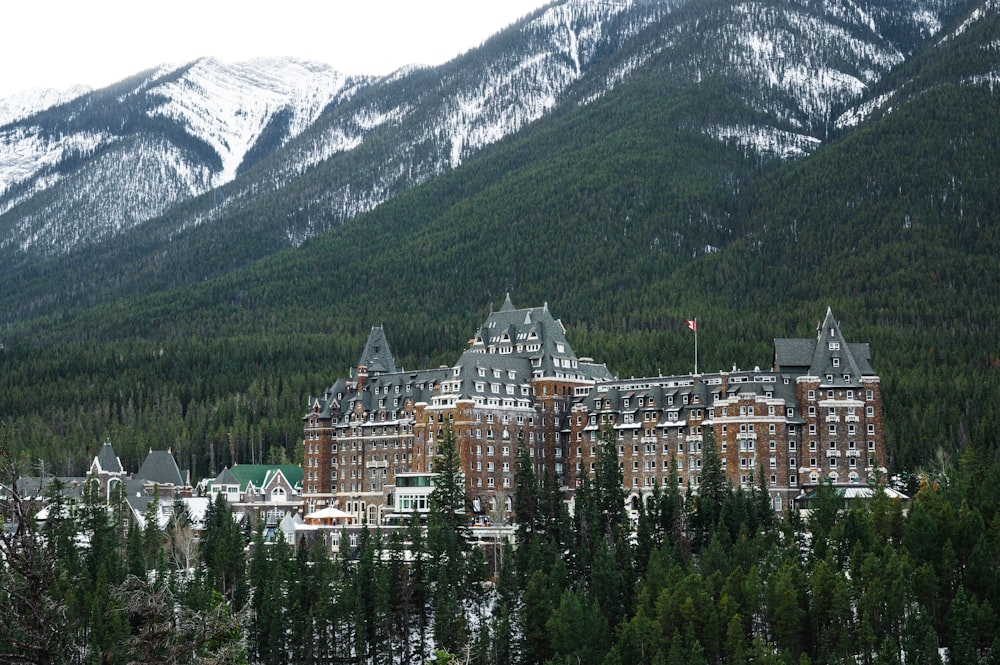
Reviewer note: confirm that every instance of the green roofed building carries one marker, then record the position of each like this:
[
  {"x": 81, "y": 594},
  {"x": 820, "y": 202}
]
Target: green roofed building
[{"x": 260, "y": 491}]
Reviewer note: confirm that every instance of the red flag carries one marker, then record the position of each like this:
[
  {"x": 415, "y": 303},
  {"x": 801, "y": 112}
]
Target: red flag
[{"x": 693, "y": 324}]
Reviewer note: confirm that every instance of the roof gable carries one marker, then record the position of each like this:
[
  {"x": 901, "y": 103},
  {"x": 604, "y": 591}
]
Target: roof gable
[
  {"x": 107, "y": 461},
  {"x": 160, "y": 467},
  {"x": 377, "y": 356},
  {"x": 262, "y": 475}
]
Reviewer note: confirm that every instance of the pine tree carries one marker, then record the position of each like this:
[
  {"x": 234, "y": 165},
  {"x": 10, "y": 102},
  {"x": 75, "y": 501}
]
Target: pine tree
[{"x": 447, "y": 544}]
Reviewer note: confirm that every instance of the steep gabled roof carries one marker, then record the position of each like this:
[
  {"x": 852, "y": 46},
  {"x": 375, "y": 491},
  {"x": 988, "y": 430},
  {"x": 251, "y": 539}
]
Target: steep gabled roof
[
  {"x": 226, "y": 478},
  {"x": 160, "y": 467},
  {"x": 107, "y": 461},
  {"x": 260, "y": 475},
  {"x": 829, "y": 357},
  {"x": 377, "y": 356}
]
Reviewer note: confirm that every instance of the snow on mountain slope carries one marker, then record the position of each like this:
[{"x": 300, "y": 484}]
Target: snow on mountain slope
[
  {"x": 420, "y": 122},
  {"x": 29, "y": 102},
  {"x": 131, "y": 182},
  {"x": 228, "y": 106},
  {"x": 29, "y": 151},
  {"x": 181, "y": 131},
  {"x": 786, "y": 70},
  {"x": 989, "y": 75}
]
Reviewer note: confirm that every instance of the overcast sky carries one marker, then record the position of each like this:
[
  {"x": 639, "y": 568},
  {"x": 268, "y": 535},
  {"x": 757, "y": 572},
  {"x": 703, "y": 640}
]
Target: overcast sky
[{"x": 60, "y": 43}]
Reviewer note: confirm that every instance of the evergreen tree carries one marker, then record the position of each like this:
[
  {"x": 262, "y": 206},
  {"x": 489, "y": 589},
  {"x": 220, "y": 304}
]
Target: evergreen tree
[
  {"x": 713, "y": 494},
  {"x": 222, "y": 552},
  {"x": 447, "y": 544}
]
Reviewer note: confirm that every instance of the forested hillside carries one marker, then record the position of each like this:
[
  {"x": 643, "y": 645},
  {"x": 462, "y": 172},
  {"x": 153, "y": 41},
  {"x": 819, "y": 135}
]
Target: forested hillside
[{"x": 627, "y": 219}]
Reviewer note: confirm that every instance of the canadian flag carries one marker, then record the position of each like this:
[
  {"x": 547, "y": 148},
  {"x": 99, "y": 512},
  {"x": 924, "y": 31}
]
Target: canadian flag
[{"x": 693, "y": 324}]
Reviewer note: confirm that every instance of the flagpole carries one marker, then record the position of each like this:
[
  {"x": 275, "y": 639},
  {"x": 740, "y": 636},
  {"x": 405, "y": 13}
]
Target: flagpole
[{"x": 696, "y": 345}]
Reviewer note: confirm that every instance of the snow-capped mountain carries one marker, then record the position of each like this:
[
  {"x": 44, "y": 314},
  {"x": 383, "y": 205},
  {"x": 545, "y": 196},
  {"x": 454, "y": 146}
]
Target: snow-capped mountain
[
  {"x": 100, "y": 163},
  {"x": 282, "y": 150},
  {"x": 30, "y": 102}
]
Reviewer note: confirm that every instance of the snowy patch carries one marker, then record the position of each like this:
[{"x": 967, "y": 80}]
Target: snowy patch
[
  {"x": 928, "y": 21},
  {"x": 991, "y": 6},
  {"x": 765, "y": 140},
  {"x": 30, "y": 102},
  {"x": 991, "y": 80},
  {"x": 27, "y": 151},
  {"x": 855, "y": 116},
  {"x": 229, "y": 106}
]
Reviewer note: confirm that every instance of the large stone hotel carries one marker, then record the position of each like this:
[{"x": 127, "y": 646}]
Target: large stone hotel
[{"x": 814, "y": 416}]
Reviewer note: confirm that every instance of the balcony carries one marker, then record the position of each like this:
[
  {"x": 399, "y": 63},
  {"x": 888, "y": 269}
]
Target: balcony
[
  {"x": 746, "y": 436},
  {"x": 377, "y": 464},
  {"x": 854, "y": 453},
  {"x": 852, "y": 419},
  {"x": 833, "y": 453},
  {"x": 833, "y": 419}
]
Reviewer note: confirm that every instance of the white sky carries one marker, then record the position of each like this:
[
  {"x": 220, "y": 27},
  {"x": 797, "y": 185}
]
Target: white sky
[{"x": 60, "y": 43}]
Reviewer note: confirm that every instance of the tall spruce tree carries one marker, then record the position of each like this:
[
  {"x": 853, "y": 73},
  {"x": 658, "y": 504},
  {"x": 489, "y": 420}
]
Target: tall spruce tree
[{"x": 447, "y": 544}]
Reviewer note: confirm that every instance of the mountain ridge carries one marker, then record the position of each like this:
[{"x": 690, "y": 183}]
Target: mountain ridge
[{"x": 375, "y": 138}]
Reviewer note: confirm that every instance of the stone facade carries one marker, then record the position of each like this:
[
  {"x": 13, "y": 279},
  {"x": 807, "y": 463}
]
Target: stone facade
[{"x": 814, "y": 416}]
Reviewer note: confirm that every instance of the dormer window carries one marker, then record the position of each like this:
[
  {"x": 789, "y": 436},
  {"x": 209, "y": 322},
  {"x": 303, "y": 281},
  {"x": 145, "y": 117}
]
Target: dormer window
[{"x": 836, "y": 361}]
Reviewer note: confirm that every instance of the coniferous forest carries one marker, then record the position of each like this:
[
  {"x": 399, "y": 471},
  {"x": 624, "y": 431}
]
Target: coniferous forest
[
  {"x": 712, "y": 578},
  {"x": 627, "y": 223}
]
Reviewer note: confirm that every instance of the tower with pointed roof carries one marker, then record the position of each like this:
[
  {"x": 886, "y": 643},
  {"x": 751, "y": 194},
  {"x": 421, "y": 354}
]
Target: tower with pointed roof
[
  {"x": 518, "y": 376},
  {"x": 814, "y": 416}
]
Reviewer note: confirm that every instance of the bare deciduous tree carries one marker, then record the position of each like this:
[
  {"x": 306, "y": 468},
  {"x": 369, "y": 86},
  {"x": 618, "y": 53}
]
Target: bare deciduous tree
[
  {"x": 34, "y": 624},
  {"x": 169, "y": 633}
]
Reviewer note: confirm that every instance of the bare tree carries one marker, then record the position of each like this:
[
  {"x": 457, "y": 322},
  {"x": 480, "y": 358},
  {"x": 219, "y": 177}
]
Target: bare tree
[
  {"x": 182, "y": 543},
  {"x": 169, "y": 633},
  {"x": 35, "y": 626}
]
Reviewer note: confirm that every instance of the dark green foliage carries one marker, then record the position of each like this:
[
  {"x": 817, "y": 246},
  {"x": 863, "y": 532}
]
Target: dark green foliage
[{"x": 606, "y": 211}]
